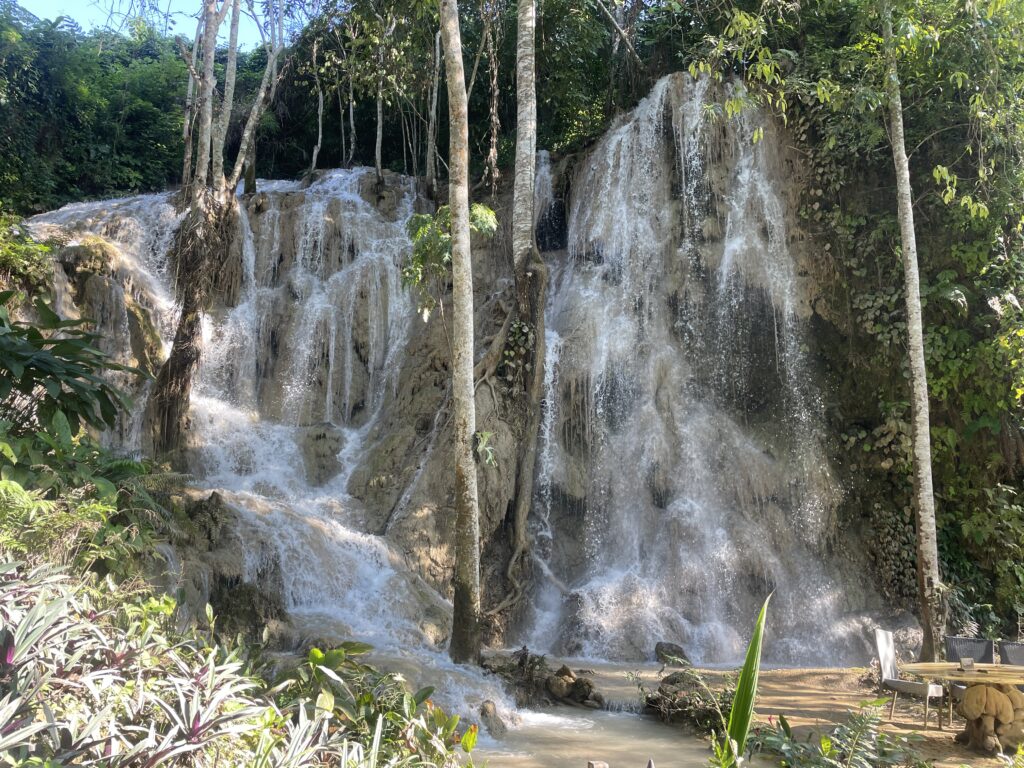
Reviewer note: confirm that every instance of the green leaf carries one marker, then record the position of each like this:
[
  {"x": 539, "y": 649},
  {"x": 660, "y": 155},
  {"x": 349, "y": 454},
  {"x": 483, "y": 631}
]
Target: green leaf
[
  {"x": 742, "y": 713},
  {"x": 469, "y": 738},
  {"x": 325, "y": 701},
  {"x": 61, "y": 427}
]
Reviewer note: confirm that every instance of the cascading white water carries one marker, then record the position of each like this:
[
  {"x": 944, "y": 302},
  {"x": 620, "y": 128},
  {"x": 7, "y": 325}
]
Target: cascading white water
[
  {"x": 291, "y": 383},
  {"x": 682, "y": 427}
]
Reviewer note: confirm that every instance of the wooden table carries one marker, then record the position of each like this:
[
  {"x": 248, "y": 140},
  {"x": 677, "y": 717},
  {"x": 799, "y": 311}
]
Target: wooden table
[
  {"x": 997, "y": 674},
  {"x": 984, "y": 733}
]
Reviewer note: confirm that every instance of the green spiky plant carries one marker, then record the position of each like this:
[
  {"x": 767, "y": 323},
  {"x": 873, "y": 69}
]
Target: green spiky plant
[{"x": 731, "y": 745}]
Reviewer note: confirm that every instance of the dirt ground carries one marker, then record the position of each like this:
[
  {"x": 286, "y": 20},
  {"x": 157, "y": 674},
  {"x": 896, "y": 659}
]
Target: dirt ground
[{"x": 817, "y": 698}]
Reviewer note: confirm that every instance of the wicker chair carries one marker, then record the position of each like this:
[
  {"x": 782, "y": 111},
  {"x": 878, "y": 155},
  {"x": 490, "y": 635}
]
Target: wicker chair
[
  {"x": 891, "y": 678},
  {"x": 1011, "y": 653}
]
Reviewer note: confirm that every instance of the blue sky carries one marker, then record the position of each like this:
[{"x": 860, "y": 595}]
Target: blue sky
[{"x": 92, "y": 13}]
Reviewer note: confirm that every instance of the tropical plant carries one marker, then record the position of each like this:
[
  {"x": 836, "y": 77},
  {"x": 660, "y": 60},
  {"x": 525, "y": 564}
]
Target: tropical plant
[
  {"x": 53, "y": 367},
  {"x": 92, "y": 673},
  {"x": 428, "y": 269},
  {"x": 857, "y": 743},
  {"x": 731, "y": 744}
]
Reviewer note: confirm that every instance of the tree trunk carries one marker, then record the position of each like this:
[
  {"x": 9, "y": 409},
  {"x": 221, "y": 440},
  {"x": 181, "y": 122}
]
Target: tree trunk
[
  {"x": 250, "y": 170},
  {"x": 203, "y": 233},
  {"x": 431, "y": 171},
  {"x": 190, "y": 111},
  {"x": 492, "y": 153},
  {"x": 380, "y": 134},
  {"x": 220, "y": 130},
  {"x": 465, "y": 642},
  {"x": 527, "y": 268},
  {"x": 351, "y": 122},
  {"x": 210, "y": 27},
  {"x": 526, "y": 150},
  {"x": 209, "y": 225},
  {"x": 319, "y": 111},
  {"x": 341, "y": 124},
  {"x": 928, "y": 580}
]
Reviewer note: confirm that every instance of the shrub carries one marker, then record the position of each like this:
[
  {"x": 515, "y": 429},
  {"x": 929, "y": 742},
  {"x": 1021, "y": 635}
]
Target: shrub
[
  {"x": 93, "y": 674},
  {"x": 857, "y": 743},
  {"x": 53, "y": 367}
]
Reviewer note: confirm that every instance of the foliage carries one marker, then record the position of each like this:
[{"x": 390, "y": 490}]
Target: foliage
[
  {"x": 857, "y": 743},
  {"x": 97, "y": 675},
  {"x": 51, "y": 373},
  {"x": 429, "y": 266},
  {"x": 85, "y": 114},
  {"x": 24, "y": 263},
  {"x": 731, "y": 745}
]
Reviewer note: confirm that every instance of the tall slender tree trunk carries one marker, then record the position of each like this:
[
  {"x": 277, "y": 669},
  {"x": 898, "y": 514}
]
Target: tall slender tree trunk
[
  {"x": 206, "y": 87},
  {"x": 319, "y": 110},
  {"x": 351, "y": 122},
  {"x": 190, "y": 111},
  {"x": 526, "y": 149},
  {"x": 465, "y": 642},
  {"x": 341, "y": 123},
  {"x": 928, "y": 579},
  {"x": 380, "y": 133},
  {"x": 220, "y": 129},
  {"x": 493, "y": 173},
  {"x": 431, "y": 170},
  {"x": 530, "y": 273}
]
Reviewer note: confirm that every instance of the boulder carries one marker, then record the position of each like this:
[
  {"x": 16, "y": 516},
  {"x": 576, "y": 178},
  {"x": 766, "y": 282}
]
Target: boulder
[
  {"x": 492, "y": 720},
  {"x": 565, "y": 672},
  {"x": 671, "y": 654},
  {"x": 559, "y": 687}
]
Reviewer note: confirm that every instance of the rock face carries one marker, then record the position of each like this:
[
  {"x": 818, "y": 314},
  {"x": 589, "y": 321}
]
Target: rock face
[
  {"x": 211, "y": 568},
  {"x": 321, "y": 444},
  {"x": 492, "y": 720}
]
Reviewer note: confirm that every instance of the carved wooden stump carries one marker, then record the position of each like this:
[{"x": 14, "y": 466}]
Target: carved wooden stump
[{"x": 995, "y": 718}]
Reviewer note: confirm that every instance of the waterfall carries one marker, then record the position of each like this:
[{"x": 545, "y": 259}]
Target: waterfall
[
  {"x": 682, "y": 455},
  {"x": 682, "y": 472},
  {"x": 299, "y": 361}
]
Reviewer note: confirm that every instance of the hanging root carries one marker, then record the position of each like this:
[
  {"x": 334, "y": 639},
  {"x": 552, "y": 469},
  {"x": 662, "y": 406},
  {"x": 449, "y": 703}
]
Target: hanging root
[{"x": 528, "y": 460}]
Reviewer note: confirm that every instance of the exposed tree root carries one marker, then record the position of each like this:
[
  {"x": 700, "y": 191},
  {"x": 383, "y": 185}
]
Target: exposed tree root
[
  {"x": 531, "y": 303},
  {"x": 204, "y": 235}
]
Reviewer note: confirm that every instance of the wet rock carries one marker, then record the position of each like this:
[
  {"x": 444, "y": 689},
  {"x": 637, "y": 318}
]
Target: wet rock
[
  {"x": 671, "y": 654},
  {"x": 321, "y": 444},
  {"x": 492, "y": 720},
  {"x": 569, "y": 688},
  {"x": 675, "y": 679},
  {"x": 564, "y": 671},
  {"x": 525, "y": 675},
  {"x": 559, "y": 686}
]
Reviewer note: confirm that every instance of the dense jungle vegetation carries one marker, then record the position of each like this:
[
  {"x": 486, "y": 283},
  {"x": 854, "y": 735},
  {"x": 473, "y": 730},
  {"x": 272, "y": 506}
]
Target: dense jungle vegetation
[{"x": 87, "y": 114}]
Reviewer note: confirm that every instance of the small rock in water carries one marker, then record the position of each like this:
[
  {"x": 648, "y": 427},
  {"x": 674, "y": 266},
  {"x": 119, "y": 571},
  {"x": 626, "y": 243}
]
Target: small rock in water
[
  {"x": 564, "y": 671},
  {"x": 559, "y": 687},
  {"x": 671, "y": 654},
  {"x": 492, "y": 720}
]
